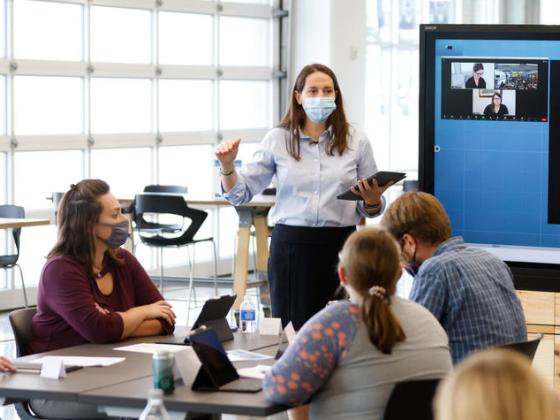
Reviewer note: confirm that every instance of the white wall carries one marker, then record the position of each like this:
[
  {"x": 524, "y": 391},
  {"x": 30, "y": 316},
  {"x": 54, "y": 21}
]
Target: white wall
[{"x": 333, "y": 32}]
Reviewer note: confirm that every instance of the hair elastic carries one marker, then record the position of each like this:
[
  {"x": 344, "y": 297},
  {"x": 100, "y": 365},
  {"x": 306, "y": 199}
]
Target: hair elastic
[{"x": 378, "y": 291}]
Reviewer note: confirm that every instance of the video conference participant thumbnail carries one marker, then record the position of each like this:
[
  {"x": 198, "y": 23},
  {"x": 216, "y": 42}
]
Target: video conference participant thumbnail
[
  {"x": 469, "y": 75},
  {"x": 493, "y": 104}
]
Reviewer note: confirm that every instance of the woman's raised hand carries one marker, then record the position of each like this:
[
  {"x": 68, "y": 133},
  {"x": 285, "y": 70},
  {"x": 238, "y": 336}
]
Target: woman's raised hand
[{"x": 226, "y": 151}]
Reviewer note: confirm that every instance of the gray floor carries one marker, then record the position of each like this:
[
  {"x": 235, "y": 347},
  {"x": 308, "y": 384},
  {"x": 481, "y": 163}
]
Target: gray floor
[{"x": 173, "y": 293}]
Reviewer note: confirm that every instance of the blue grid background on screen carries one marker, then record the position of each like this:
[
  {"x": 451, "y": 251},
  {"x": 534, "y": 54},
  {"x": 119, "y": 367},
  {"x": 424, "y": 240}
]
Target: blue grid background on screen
[{"x": 492, "y": 176}]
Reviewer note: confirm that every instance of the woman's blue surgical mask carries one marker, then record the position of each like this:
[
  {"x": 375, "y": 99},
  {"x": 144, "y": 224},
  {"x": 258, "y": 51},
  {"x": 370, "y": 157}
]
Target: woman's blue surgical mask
[
  {"x": 119, "y": 234},
  {"x": 319, "y": 109}
]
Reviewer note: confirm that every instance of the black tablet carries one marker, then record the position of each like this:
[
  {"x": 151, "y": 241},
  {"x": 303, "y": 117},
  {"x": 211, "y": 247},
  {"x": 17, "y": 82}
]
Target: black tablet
[
  {"x": 382, "y": 177},
  {"x": 217, "y": 373}
]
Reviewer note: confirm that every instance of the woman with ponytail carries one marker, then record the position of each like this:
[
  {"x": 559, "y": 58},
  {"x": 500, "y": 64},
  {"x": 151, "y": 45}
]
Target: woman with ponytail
[{"x": 349, "y": 356}]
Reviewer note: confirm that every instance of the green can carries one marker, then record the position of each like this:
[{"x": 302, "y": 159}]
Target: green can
[{"x": 162, "y": 371}]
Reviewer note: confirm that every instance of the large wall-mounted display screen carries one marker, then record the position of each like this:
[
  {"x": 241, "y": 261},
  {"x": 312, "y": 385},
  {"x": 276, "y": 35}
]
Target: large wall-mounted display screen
[{"x": 490, "y": 135}]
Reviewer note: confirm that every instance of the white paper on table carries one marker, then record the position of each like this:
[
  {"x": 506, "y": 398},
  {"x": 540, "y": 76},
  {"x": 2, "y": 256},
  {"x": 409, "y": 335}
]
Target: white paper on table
[
  {"x": 270, "y": 326},
  {"x": 151, "y": 348},
  {"x": 254, "y": 372},
  {"x": 187, "y": 365},
  {"x": 290, "y": 332},
  {"x": 239, "y": 355},
  {"x": 80, "y": 361},
  {"x": 53, "y": 368}
]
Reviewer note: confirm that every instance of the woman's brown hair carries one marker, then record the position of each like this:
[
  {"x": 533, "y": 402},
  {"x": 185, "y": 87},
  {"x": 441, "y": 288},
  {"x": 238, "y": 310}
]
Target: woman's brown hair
[
  {"x": 78, "y": 212},
  {"x": 295, "y": 115},
  {"x": 370, "y": 257}
]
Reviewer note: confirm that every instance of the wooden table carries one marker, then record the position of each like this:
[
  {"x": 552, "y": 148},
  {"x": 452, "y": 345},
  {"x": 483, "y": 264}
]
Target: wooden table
[
  {"x": 253, "y": 213},
  {"x": 11, "y": 223}
]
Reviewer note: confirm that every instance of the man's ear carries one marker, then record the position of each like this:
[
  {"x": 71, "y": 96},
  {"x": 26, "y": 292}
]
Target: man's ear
[{"x": 409, "y": 240}]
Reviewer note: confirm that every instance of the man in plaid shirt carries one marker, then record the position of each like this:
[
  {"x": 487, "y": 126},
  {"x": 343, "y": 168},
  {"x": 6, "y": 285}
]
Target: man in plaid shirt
[{"x": 469, "y": 290}]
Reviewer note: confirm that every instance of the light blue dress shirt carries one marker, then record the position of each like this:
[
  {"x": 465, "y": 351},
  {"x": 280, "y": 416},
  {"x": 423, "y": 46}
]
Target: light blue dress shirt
[{"x": 307, "y": 189}]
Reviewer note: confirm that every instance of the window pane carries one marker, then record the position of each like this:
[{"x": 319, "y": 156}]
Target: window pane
[
  {"x": 121, "y": 105},
  {"x": 185, "y": 105},
  {"x": 549, "y": 11},
  {"x": 245, "y": 42},
  {"x": 246, "y": 152},
  {"x": 126, "y": 171},
  {"x": 378, "y": 102},
  {"x": 185, "y": 38},
  {"x": 48, "y": 105},
  {"x": 36, "y": 242},
  {"x": 2, "y": 105},
  {"x": 404, "y": 133},
  {"x": 2, "y": 29},
  {"x": 57, "y": 169},
  {"x": 47, "y": 30},
  {"x": 192, "y": 166},
  {"x": 245, "y": 104},
  {"x": 120, "y": 35}
]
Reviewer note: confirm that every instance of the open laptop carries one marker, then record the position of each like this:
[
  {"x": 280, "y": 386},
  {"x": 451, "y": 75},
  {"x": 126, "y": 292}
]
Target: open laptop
[{"x": 217, "y": 373}]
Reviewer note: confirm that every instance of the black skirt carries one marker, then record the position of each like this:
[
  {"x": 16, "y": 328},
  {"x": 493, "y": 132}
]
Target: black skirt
[{"x": 302, "y": 270}]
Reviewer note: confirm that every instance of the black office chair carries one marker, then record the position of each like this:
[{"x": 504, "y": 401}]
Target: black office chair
[
  {"x": 10, "y": 261},
  {"x": 411, "y": 400},
  {"x": 162, "y": 235},
  {"x": 527, "y": 348},
  {"x": 156, "y": 189},
  {"x": 20, "y": 321}
]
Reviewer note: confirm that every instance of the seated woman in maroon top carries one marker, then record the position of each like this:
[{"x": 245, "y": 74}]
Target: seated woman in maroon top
[{"x": 91, "y": 290}]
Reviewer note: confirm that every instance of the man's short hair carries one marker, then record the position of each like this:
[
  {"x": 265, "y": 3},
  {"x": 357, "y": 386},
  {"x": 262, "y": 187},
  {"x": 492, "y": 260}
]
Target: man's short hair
[
  {"x": 419, "y": 214},
  {"x": 477, "y": 67}
]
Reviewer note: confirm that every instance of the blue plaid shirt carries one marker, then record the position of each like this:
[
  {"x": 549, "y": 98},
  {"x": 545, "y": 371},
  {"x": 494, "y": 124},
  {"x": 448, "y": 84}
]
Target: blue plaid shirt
[{"x": 471, "y": 293}]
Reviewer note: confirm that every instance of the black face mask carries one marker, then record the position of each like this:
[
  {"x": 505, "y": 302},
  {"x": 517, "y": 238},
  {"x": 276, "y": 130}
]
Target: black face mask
[
  {"x": 412, "y": 266},
  {"x": 119, "y": 234}
]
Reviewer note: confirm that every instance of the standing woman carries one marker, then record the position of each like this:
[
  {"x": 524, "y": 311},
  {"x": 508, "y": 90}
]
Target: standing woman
[{"x": 315, "y": 155}]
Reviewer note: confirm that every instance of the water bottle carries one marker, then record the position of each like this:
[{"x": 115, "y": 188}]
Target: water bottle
[
  {"x": 155, "y": 410},
  {"x": 248, "y": 316}
]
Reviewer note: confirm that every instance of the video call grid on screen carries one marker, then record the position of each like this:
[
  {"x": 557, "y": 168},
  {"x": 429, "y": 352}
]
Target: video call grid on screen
[
  {"x": 518, "y": 87},
  {"x": 493, "y": 175}
]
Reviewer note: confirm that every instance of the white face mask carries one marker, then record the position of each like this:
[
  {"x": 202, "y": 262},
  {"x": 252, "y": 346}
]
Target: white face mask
[{"x": 319, "y": 109}]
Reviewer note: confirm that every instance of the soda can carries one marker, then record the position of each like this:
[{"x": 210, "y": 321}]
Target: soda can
[{"x": 162, "y": 371}]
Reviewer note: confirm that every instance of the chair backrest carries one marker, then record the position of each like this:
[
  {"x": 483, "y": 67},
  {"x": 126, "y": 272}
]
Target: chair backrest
[
  {"x": 527, "y": 348},
  {"x": 16, "y": 212},
  {"x": 166, "y": 204},
  {"x": 169, "y": 189},
  {"x": 411, "y": 400},
  {"x": 20, "y": 320}
]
